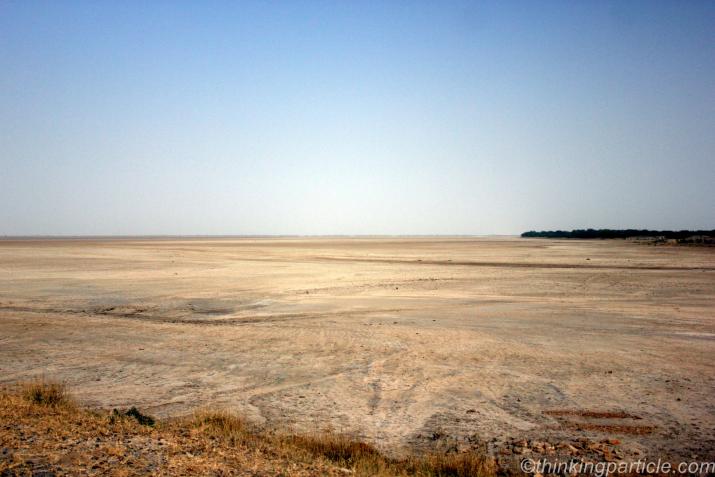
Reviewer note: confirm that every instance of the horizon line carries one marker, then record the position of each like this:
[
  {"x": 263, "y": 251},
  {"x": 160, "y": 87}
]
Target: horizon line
[{"x": 160, "y": 236}]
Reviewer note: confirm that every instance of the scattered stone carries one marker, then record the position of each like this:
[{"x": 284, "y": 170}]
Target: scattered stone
[
  {"x": 571, "y": 449},
  {"x": 134, "y": 413}
]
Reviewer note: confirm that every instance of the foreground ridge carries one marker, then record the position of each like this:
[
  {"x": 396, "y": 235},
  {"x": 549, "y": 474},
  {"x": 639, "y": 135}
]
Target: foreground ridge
[{"x": 45, "y": 432}]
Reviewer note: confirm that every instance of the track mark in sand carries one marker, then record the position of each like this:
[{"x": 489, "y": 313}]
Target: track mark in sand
[
  {"x": 466, "y": 263},
  {"x": 592, "y": 414},
  {"x": 141, "y": 314},
  {"x": 376, "y": 397},
  {"x": 263, "y": 390},
  {"x": 374, "y": 372},
  {"x": 618, "y": 422}
]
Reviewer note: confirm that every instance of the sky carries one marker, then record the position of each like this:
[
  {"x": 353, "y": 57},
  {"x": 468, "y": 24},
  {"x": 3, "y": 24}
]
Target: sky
[{"x": 355, "y": 117}]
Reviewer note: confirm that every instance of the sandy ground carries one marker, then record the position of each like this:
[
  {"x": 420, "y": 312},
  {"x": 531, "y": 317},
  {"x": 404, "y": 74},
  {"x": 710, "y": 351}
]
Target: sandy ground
[{"x": 408, "y": 343}]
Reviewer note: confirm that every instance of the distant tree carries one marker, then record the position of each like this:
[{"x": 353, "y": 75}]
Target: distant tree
[{"x": 614, "y": 234}]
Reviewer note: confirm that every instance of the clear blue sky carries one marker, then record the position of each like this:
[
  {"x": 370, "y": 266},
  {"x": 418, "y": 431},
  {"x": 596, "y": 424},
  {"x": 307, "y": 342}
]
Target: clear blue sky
[{"x": 337, "y": 117}]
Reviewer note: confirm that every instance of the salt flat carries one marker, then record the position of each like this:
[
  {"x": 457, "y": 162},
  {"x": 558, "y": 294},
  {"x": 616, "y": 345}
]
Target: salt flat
[{"x": 410, "y": 343}]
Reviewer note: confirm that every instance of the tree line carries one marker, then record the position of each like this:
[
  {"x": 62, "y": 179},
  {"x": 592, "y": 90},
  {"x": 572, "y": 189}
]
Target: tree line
[{"x": 617, "y": 233}]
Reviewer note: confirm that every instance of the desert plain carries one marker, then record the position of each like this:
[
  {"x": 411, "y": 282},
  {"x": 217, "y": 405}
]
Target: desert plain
[{"x": 408, "y": 343}]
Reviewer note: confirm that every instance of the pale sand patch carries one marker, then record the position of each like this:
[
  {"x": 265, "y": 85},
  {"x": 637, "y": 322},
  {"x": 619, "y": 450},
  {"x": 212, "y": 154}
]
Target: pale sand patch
[{"x": 406, "y": 342}]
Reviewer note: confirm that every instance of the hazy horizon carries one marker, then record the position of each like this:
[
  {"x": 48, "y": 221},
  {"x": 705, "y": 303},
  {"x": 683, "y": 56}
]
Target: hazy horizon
[
  {"x": 270, "y": 236},
  {"x": 327, "y": 118}
]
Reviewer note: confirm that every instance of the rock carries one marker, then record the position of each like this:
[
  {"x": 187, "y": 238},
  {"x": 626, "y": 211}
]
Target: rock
[
  {"x": 538, "y": 446},
  {"x": 43, "y": 473},
  {"x": 571, "y": 449},
  {"x": 594, "y": 446}
]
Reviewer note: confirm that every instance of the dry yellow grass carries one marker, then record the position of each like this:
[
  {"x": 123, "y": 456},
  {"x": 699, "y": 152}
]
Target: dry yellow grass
[
  {"x": 356, "y": 456},
  {"x": 45, "y": 393},
  {"x": 42, "y": 429}
]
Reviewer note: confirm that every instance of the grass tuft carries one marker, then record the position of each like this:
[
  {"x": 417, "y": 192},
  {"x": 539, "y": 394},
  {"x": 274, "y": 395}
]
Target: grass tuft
[
  {"x": 335, "y": 447},
  {"x": 223, "y": 424},
  {"x": 46, "y": 393},
  {"x": 466, "y": 464}
]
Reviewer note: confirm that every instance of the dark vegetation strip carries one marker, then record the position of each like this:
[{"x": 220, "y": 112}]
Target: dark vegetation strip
[{"x": 618, "y": 233}]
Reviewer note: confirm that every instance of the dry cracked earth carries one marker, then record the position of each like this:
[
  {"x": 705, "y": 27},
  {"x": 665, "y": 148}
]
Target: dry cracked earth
[{"x": 521, "y": 345}]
